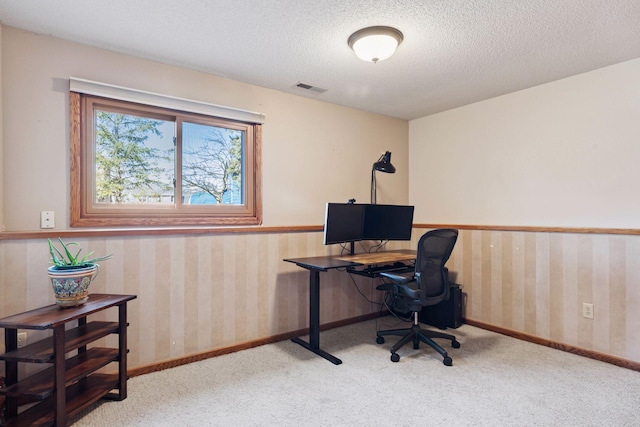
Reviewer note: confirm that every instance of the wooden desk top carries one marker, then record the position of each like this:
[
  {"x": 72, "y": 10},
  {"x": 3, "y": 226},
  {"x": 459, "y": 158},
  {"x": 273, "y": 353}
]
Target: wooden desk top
[
  {"x": 380, "y": 257},
  {"x": 328, "y": 262}
]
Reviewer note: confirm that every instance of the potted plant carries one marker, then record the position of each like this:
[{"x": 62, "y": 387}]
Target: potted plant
[{"x": 72, "y": 274}]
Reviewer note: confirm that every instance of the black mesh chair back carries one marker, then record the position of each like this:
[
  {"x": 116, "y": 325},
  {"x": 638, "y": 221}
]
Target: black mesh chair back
[{"x": 434, "y": 250}]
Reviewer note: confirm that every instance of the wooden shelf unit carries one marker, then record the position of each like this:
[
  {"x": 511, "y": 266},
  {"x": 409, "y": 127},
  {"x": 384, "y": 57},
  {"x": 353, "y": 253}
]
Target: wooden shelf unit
[{"x": 71, "y": 383}]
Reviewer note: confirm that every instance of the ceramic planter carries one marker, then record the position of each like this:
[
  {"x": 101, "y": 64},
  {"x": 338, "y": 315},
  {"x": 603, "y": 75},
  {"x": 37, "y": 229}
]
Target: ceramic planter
[{"x": 71, "y": 284}]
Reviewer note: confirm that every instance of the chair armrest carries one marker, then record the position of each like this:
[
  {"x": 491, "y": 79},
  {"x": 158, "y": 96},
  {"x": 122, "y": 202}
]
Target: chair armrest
[
  {"x": 401, "y": 284},
  {"x": 397, "y": 278},
  {"x": 407, "y": 291}
]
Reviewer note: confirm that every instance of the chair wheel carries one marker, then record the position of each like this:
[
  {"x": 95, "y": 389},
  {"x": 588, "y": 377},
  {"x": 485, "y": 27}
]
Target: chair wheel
[
  {"x": 448, "y": 361},
  {"x": 455, "y": 344},
  {"x": 395, "y": 357},
  {"x": 380, "y": 340}
]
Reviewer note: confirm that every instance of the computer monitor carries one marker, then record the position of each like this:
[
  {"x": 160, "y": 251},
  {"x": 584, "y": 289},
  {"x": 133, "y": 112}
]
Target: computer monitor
[
  {"x": 387, "y": 222},
  {"x": 351, "y": 222},
  {"x": 343, "y": 222}
]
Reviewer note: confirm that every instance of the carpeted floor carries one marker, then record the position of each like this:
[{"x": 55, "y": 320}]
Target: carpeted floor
[{"x": 495, "y": 380}]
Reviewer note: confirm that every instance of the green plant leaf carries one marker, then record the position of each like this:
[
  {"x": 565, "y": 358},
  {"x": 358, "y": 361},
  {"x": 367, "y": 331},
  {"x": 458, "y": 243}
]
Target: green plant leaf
[{"x": 65, "y": 257}]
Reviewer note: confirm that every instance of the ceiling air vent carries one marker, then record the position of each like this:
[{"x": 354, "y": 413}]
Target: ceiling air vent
[{"x": 312, "y": 88}]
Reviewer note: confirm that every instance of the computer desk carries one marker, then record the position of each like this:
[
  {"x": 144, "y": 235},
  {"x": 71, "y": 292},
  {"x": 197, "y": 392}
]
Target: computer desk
[{"x": 350, "y": 263}]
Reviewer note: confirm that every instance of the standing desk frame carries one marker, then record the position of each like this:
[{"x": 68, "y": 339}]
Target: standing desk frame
[{"x": 315, "y": 265}]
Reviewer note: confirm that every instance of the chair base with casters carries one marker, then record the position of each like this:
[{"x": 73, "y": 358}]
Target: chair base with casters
[{"x": 416, "y": 335}]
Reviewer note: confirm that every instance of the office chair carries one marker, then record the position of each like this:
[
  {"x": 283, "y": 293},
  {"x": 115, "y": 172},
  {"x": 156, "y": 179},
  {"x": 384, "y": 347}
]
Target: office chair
[{"x": 428, "y": 285}]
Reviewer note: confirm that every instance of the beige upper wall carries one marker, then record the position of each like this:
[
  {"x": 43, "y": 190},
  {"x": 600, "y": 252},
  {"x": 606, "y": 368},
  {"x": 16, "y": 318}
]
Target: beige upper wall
[
  {"x": 561, "y": 154},
  {"x": 1, "y": 143},
  {"x": 313, "y": 152}
]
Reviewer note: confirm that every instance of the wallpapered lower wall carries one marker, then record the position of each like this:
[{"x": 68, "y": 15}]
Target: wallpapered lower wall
[
  {"x": 195, "y": 293},
  {"x": 536, "y": 283},
  {"x": 204, "y": 292}
]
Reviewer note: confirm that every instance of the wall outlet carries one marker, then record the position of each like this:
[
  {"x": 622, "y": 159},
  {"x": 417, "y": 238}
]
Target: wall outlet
[
  {"x": 587, "y": 310},
  {"x": 46, "y": 219},
  {"x": 22, "y": 339}
]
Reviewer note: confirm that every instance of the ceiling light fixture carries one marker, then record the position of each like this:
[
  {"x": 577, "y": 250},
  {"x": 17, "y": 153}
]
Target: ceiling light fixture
[{"x": 375, "y": 44}]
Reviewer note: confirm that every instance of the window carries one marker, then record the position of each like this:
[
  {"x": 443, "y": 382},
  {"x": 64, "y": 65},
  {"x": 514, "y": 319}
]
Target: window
[{"x": 141, "y": 165}]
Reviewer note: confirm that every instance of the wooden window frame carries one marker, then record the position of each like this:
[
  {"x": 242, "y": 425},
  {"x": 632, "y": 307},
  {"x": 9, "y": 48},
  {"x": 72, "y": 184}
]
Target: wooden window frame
[{"x": 84, "y": 213}]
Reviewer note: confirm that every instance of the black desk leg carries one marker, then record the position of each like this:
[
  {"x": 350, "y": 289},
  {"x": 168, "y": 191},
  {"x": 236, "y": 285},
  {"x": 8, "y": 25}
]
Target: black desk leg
[{"x": 314, "y": 320}]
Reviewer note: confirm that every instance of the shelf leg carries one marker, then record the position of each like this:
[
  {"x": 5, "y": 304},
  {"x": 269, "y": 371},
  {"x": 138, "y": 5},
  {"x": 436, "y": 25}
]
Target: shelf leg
[
  {"x": 81, "y": 322},
  {"x": 11, "y": 370},
  {"x": 122, "y": 347},
  {"x": 59, "y": 389}
]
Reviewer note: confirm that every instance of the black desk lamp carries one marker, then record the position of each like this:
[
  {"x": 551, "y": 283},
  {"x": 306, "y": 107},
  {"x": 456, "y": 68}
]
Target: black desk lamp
[{"x": 383, "y": 165}]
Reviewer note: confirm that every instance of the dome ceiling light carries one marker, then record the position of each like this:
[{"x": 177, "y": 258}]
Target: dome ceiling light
[{"x": 375, "y": 44}]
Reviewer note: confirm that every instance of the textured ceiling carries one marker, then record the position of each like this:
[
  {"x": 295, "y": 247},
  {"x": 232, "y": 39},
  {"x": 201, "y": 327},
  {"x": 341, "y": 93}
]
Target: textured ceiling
[{"x": 455, "y": 52}]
